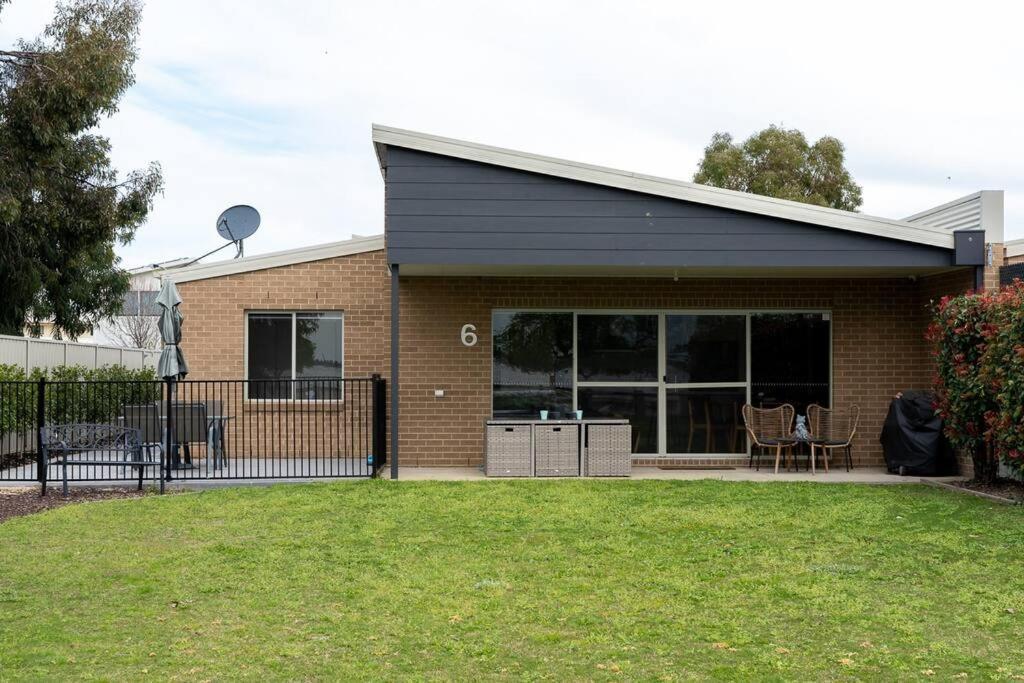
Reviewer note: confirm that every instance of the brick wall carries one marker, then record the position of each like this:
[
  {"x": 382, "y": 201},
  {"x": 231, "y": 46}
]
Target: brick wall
[
  {"x": 214, "y": 331},
  {"x": 878, "y": 344},
  {"x": 878, "y": 327},
  {"x": 213, "y": 339}
]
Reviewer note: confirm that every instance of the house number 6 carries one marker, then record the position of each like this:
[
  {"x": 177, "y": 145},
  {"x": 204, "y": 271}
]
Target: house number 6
[{"x": 469, "y": 335}]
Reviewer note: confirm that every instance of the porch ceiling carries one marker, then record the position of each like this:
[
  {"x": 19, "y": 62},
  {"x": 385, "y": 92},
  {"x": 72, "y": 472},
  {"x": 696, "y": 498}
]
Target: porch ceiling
[{"x": 438, "y": 270}]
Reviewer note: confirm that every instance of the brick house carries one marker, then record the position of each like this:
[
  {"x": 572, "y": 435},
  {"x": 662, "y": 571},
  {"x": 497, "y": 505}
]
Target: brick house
[{"x": 506, "y": 283}]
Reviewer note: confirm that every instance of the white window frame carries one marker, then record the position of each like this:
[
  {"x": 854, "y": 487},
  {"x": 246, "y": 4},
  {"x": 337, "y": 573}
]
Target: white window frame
[
  {"x": 294, "y": 313},
  {"x": 661, "y": 384}
]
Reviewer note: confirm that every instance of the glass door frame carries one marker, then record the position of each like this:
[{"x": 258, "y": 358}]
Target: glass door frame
[{"x": 661, "y": 384}]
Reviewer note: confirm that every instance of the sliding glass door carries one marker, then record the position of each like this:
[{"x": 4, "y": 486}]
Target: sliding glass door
[
  {"x": 705, "y": 382},
  {"x": 680, "y": 378}
]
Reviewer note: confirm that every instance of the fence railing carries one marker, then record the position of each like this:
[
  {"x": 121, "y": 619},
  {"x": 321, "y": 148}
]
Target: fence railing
[
  {"x": 29, "y": 354},
  {"x": 204, "y": 429}
]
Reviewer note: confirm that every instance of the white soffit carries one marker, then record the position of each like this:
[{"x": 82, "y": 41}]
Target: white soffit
[
  {"x": 357, "y": 245},
  {"x": 919, "y": 233}
]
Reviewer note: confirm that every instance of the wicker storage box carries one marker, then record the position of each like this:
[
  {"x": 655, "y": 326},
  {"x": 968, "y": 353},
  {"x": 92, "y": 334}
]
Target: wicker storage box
[
  {"x": 608, "y": 451},
  {"x": 556, "y": 450},
  {"x": 509, "y": 451}
]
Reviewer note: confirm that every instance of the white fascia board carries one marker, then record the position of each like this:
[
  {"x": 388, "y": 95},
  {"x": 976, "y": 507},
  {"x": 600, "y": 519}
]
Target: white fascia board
[
  {"x": 277, "y": 259},
  {"x": 664, "y": 187}
]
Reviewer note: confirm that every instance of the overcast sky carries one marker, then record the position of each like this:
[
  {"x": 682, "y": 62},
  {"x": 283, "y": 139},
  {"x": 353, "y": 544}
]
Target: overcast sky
[{"x": 270, "y": 103}]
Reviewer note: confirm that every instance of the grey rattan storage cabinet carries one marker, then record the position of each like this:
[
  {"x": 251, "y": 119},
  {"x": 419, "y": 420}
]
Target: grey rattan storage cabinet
[
  {"x": 509, "y": 451},
  {"x": 607, "y": 452},
  {"x": 556, "y": 450}
]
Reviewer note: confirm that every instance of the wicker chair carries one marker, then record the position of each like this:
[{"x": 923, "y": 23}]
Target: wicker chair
[
  {"x": 766, "y": 428},
  {"x": 832, "y": 429}
]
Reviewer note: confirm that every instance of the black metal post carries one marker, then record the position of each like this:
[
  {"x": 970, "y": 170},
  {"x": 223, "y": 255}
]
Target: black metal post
[
  {"x": 394, "y": 371},
  {"x": 979, "y": 278},
  {"x": 380, "y": 435},
  {"x": 169, "y": 387},
  {"x": 40, "y": 423}
]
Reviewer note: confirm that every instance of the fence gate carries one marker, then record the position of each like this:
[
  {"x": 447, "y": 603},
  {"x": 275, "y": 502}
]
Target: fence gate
[{"x": 199, "y": 429}]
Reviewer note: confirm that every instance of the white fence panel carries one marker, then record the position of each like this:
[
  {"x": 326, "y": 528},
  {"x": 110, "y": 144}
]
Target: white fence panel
[
  {"x": 107, "y": 356},
  {"x": 81, "y": 355},
  {"x": 44, "y": 354},
  {"x": 133, "y": 359},
  {"x": 13, "y": 351},
  {"x": 29, "y": 354}
]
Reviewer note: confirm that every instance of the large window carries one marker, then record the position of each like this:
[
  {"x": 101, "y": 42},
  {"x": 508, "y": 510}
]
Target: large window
[
  {"x": 532, "y": 363},
  {"x": 680, "y": 378},
  {"x": 790, "y": 359},
  {"x": 306, "y": 346}
]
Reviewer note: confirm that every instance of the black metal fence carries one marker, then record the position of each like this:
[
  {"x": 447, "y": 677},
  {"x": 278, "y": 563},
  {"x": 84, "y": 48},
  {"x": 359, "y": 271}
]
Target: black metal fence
[
  {"x": 204, "y": 429},
  {"x": 1007, "y": 274}
]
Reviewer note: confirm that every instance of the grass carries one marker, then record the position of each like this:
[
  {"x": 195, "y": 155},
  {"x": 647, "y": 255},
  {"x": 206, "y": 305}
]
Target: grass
[{"x": 511, "y": 580}]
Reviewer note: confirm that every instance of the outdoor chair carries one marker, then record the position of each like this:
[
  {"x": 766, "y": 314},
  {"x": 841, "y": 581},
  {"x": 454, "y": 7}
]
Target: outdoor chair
[
  {"x": 831, "y": 430},
  {"x": 769, "y": 429},
  {"x": 146, "y": 420},
  {"x": 699, "y": 422},
  {"x": 190, "y": 426},
  {"x": 218, "y": 426}
]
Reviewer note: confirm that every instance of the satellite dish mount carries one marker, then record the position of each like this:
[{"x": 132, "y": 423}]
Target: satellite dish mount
[
  {"x": 237, "y": 223},
  {"x": 234, "y": 225}
]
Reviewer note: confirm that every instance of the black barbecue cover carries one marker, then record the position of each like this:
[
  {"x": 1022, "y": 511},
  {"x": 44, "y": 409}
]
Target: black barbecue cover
[{"x": 912, "y": 437}]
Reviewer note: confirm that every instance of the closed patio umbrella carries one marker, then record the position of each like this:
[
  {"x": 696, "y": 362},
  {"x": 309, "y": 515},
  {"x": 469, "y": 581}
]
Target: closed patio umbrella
[{"x": 172, "y": 365}]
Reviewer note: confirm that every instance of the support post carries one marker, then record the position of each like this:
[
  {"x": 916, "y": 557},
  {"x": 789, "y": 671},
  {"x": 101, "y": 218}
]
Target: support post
[
  {"x": 394, "y": 370},
  {"x": 380, "y": 434},
  {"x": 979, "y": 278},
  {"x": 169, "y": 426},
  {"x": 40, "y": 423}
]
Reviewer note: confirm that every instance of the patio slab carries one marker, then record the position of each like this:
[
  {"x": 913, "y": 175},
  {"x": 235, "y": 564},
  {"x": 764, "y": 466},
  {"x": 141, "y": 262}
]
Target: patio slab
[{"x": 866, "y": 475}]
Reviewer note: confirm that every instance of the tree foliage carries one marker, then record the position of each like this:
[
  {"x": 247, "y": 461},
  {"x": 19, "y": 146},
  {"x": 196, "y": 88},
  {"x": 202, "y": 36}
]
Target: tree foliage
[
  {"x": 781, "y": 163},
  {"x": 63, "y": 207}
]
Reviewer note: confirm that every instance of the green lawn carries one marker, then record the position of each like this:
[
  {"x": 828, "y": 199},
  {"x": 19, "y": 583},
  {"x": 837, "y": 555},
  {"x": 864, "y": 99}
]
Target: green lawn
[{"x": 530, "y": 579}]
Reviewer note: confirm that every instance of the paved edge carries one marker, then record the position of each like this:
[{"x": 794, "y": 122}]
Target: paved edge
[{"x": 970, "y": 492}]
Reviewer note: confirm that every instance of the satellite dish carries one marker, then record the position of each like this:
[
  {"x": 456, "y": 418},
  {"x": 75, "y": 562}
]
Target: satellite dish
[{"x": 238, "y": 222}]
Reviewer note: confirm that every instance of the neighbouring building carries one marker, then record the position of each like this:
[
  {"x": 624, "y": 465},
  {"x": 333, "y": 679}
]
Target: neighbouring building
[
  {"x": 135, "y": 327},
  {"x": 506, "y": 283}
]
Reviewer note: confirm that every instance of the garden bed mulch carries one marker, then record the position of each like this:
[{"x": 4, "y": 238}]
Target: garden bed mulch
[
  {"x": 16, "y": 502},
  {"x": 1003, "y": 490}
]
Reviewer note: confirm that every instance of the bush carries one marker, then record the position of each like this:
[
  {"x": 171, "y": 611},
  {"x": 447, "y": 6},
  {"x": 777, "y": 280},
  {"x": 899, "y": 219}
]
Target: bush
[
  {"x": 17, "y": 401},
  {"x": 1003, "y": 372},
  {"x": 978, "y": 345},
  {"x": 74, "y": 393},
  {"x": 963, "y": 399}
]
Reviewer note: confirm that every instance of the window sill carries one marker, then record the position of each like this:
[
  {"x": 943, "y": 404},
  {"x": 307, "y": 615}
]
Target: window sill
[{"x": 287, "y": 405}]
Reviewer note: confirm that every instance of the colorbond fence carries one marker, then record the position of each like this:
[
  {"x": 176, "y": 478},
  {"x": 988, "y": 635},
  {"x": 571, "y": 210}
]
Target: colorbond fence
[{"x": 29, "y": 354}]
